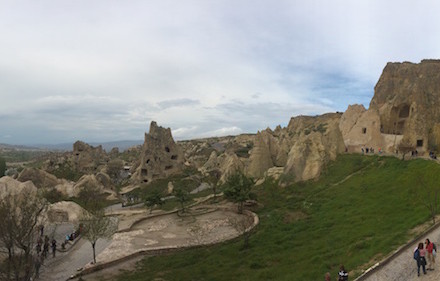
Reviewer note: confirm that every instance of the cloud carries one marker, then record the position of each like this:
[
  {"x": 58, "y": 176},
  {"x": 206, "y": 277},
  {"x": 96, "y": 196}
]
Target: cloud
[
  {"x": 177, "y": 103},
  {"x": 100, "y": 71}
]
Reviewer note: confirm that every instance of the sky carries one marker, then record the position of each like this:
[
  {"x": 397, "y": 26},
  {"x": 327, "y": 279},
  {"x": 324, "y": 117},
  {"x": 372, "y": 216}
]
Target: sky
[{"x": 102, "y": 70}]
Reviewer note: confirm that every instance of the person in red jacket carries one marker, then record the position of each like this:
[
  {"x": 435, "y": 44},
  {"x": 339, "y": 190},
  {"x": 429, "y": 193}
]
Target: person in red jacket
[{"x": 431, "y": 259}]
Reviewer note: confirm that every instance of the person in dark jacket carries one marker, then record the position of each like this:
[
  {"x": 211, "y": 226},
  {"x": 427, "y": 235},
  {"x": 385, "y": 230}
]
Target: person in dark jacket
[{"x": 342, "y": 275}]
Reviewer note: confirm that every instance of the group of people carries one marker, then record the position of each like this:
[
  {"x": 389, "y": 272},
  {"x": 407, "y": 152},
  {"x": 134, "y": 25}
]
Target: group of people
[
  {"x": 368, "y": 150},
  {"x": 425, "y": 256},
  {"x": 342, "y": 275},
  {"x": 42, "y": 250}
]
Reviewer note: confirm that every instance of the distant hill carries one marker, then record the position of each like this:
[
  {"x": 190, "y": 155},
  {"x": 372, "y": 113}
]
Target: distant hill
[{"x": 122, "y": 145}]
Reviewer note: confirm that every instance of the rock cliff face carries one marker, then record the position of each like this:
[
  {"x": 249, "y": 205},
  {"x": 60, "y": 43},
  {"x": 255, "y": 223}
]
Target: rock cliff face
[
  {"x": 317, "y": 140},
  {"x": 404, "y": 106},
  {"x": 302, "y": 149},
  {"x": 160, "y": 157},
  {"x": 407, "y": 96},
  {"x": 86, "y": 158}
]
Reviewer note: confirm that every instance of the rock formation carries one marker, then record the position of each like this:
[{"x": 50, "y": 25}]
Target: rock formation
[
  {"x": 39, "y": 178},
  {"x": 403, "y": 106},
  {"x": 407, "y": 96},
  {"x": 86, "y": 158},
  {"x": 160, "y": 157},
  {"x": 64, "y": 211},
  {"x": 317, "y": 140},
  {"x": 10, "y": 186}
]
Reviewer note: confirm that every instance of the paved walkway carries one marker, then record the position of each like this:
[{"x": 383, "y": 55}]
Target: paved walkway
[
  {"x": 404, "y": 267},
  {"x": 66, "y": 264}
]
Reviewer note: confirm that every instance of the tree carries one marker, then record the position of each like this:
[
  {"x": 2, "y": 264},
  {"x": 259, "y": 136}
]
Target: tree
[
  {"x": 182, "y": 196},
  {"x": 21, "y": 214},
  {"x": 238, "y": 190},
  {"x": 215, "y": 175},
  {"x": 2, "y": 166},
  {"x": 242, "y": 225},
  {"x": 95, "y": 225},
  {"x": 427, "y": 192},
  {"x": 152, "y": 200},
  {"x": 405, "y": 147},
  {"x": 114, "y": 168},
  {"x": 89, "y": 197}
]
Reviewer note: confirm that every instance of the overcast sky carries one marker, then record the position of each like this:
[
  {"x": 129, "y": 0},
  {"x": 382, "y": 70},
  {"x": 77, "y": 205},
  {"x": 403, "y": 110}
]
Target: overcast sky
[{"x": 102, "y": 70}]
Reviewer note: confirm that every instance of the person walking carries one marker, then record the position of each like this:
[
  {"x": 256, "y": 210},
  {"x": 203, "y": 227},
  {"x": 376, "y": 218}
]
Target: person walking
[
  {"x": 419, "y": 256},
  {"x": 54, "y": 247},
  {"x": 37, "y": 265},
  {"x": 342, "y": 275},
  {"x": 430, "y": 249},
  {"x": 327, "y": 277}
]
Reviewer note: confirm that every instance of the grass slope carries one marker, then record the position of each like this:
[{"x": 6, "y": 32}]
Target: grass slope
[{"x": 360, "y": 210}]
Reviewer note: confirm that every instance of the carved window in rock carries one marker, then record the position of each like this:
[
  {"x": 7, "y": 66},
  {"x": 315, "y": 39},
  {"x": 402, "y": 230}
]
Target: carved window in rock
[
  {"x": 167, "y": 149},
  {"x": 148, "y": 161},
  {"x": 144, "y": 172},
  {"x": 419, "y": 143},
  {"x": 404, "y": 111},
  {"x": 364, "y": 130}
]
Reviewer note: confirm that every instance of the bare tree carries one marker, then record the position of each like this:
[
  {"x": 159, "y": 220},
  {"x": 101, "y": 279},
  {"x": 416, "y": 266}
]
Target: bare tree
[
  {"x": 95, "y": 225},
  {"x": 215, "y": 175},
  {"x": 20, "y": 214},
  {"x": 241, "y": 225},
  {"x": 427, "y": 192},
  {"x": 405, "y": 147}
]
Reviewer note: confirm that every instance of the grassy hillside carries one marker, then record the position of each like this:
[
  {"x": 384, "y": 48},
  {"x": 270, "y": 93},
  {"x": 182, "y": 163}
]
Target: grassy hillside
[{"x": 361, "y": 209}]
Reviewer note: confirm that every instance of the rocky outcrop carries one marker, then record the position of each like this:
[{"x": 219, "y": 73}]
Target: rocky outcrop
[
  {"x": 361, "y": 128},
  {"x": 317, "y": 141},
  {"x": 161, "y": 156},
  {"x": 10, "y": 186},
  {"x": 404, "y": 106},
  {"x": 407, "y": 96},
  {"x": 64, "y": 211},
  {"x": 39, "y": 178},
  {"x": 86, "y": 158},
  {"x": 227, "y": 164},
  {"x": 270, "y": 150}
]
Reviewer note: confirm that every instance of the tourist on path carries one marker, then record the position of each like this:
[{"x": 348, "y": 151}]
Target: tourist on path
[
  {"x": 37, "y": 264},
  {"x": 327, "y": 277},
  {"x": 431, "y": 258},
  {"x": 54, "y": 247},
  {"x": 343, "y": 275},
  {"x": 419, "y": 256}
]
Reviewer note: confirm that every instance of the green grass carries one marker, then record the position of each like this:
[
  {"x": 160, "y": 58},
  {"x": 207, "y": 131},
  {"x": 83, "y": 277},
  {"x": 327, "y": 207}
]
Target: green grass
[{"x": 310, "y": 228}]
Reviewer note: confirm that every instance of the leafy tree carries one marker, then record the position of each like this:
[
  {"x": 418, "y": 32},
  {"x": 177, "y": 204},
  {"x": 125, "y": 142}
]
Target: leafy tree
[
  {"x": 182, "y": 196},
  {"x": 95, "y": 225},
  {"x": 153, "y": 199},
  {"x": 238, "y": 189},
  {"x": 2, "y": 166},
  {"x": 114, "y": 168},
  {"x": 20, "y": 214},
  {"x": 89, "y": 198}
]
